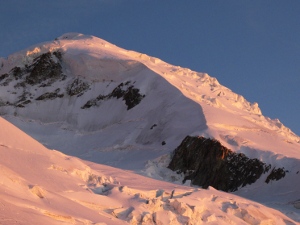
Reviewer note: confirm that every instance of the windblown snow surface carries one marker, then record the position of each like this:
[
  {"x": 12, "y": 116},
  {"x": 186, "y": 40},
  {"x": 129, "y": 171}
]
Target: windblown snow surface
[{"x": 118, "y": 115}]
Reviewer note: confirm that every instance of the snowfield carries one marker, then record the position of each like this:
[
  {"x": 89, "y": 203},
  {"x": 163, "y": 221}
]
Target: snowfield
[
  {"x": 114, "y": 117},
  {"x": 42, "y": 186}
]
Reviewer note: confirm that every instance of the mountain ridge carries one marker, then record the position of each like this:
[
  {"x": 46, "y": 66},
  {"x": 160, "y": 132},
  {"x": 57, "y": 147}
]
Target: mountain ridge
[
  {"x": 106, "y": 50},
  {"x": 91, "y": 73},
  {"x": 88, "y": 98}
]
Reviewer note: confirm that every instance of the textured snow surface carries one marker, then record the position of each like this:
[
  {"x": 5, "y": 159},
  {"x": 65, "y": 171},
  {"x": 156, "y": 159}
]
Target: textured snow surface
[
  {"x": 41, "y": 186},
  {"x": 44, "y": 185}
]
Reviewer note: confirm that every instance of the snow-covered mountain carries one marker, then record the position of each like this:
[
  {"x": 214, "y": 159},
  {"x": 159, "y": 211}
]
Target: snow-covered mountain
[{"x": 88, "y": 98}]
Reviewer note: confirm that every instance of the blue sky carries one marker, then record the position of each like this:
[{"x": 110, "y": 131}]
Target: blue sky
[{"x": 250, "y": 46}]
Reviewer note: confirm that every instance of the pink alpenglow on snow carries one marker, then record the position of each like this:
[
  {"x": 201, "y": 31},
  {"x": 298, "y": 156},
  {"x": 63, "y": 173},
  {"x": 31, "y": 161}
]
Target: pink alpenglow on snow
[{"x": 114, "y": 118}]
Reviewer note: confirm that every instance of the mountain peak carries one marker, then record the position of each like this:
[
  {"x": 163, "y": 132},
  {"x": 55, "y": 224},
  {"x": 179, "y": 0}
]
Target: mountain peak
[
  {"x": 72, "y": 36},
  {"x": 89, "y": 98},
  {"x": 96, "y": 63}
]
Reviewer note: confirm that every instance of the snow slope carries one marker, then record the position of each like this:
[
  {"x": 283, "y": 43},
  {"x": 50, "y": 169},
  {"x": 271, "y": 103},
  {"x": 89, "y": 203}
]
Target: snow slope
[
  {"x": 41, "y": 186},
  {"x": 173, "y": 102}
]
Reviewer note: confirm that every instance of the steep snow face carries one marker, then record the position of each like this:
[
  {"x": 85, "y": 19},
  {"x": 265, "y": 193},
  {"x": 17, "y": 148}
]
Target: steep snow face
[
  {"x": 40, "y": 186},
  {"x": 98, "y": 61},
  {"x": 89, "y": 85}
]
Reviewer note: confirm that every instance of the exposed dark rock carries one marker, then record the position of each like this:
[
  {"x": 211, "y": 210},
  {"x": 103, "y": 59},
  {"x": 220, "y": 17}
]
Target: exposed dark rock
[
  {"x": 154, "y": 125},
  {"x": 26, "y": 102},
  {"x": 130, "y": 95},
  {"x": 50, "y": 95},
  {"x": 3, "y": 76},
  {"x": 276, "y": 174},
  {"x": 94, "y": 102},
  {"x": 2, "y": 103},
  {"x": 8, "y": 103},
  {"x": 44, "y": 68},
  {"x": 118, "y": 92},
  {"x": 17, "y": 72},
  {"x": 22, "y": 100},
  {"x": 207, "y": 163},
  {"x": 20, "y": 85},
  {"x": 24, "y": 97},
  {"x": 77, "y": 87},
  {"x": 14, "y": 74},
  {"x": 89, "y": 104},
  {"x": 6, "y": 82},
  {"x": 58, "y": 55},
  {"x": 22, "y": 105}
]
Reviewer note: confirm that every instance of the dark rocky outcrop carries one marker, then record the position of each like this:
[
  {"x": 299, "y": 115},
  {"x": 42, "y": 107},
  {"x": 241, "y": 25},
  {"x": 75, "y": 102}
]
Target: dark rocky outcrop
[
  {"x": 45, "y": 68},
  {"x": 130, "y": 95},
  {"x": 23, "y": 100},
  {"x": 50, "y": 95},
  {"x": 43, "y": 71},
  {"x": 3, "y": 76},
  {"x": 276, "y": 174},
  {"x": 58, "y": 55},
  {"x": 127, "y": 92},
  {"x": 22, "y": 105},
  {"x": 20, "y": 85},
  {"x": 77, "y": 87},
  {"x": 206, "y": 163},
  {"x": 5, "y": 79},
  {"x": 153, "y": 126},
  {"x": 17, "y": 72}
]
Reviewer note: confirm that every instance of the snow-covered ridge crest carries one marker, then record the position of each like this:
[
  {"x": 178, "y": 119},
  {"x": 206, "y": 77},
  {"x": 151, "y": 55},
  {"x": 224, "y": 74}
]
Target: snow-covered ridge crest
[
  {"x": 92, "y": 58},
  {"x": 164, "y": 69},
  {"x": 97, "y": 48}
]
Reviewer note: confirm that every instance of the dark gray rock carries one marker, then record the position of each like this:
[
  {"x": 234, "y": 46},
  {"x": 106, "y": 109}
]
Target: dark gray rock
[
  {"x": 206, "y": 163},
  {"x": 17, "y": 72},
  {"x": 127, "y": 92},
  {"x": 153, "y": 126},
  {"x": 276, "y": 174},
  {"x": 22, "y": 105},
  {"x": 20, "y": 85},
  {"x": 3, "y": 76},
  {"x": 23, "y": 100},
  {"x": 44, "y": 68},
  {"x": 77, "y": 87},
  {"x": 50, "y": 95}
]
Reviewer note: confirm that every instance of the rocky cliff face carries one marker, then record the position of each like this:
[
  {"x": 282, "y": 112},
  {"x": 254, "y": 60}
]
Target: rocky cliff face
[
  {"x": 127, "y": 92},
  {"x": 42, "y": 72},
  {"x": 207, "y": 163}
]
